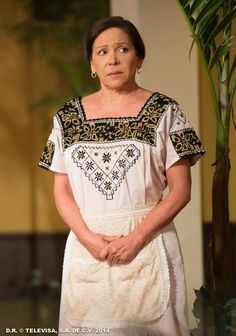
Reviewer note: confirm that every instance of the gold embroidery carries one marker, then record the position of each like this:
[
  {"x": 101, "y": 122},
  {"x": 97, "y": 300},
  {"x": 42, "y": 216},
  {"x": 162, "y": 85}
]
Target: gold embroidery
[
  {"x": 186, "y": 142},
  {"x": 142, "y": 128},
  {"x": 47, "y": 155}
]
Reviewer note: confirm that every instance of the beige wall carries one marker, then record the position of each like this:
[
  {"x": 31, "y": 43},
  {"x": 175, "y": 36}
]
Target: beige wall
[
  {"x": 14, "y": 126},
  {"x": 167, "y": 69},
  {"x": 26, "y": 192}
]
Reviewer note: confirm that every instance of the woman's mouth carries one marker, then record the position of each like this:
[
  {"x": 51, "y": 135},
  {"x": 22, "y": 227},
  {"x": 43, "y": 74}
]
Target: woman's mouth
[{"x": 114, "y": 73}]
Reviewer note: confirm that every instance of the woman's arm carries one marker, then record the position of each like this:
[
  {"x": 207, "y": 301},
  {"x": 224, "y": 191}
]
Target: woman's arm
[
  {"x": 71, "y": 215},
  {"x": 179, "y": 182}
]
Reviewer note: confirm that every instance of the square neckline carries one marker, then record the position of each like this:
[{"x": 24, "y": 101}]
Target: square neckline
[{"x": 82, "y": 112}]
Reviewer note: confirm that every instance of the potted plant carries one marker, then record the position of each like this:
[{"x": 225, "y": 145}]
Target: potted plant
[{"x": 210, "y": 23}]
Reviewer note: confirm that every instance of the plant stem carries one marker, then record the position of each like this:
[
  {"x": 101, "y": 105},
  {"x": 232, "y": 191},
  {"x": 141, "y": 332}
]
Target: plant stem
[{"x": 224, "y": 83}]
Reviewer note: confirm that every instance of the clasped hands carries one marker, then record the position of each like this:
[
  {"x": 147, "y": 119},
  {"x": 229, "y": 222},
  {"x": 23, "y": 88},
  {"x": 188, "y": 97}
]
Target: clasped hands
[{"x": 115, "y": 249}]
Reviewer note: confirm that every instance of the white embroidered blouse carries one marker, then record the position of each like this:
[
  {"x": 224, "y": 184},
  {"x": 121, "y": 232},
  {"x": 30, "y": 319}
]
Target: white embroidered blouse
[{"x": 119, "y": 162}]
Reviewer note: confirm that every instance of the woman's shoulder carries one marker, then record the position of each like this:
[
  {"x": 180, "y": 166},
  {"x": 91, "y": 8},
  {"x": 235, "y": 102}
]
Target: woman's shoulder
[
  {"x": 163, "y": 99},
  {"x": 66, "y": 113},
  {"x": 69, "y": 105}
]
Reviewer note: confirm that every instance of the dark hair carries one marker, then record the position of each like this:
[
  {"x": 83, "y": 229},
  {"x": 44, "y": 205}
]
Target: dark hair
[{"x": 115, "y": 22}]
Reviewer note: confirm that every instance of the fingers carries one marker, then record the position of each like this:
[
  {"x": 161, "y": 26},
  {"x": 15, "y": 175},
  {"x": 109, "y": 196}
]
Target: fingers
[
  {"x": 104, "y": 253},
  {"x": 115, "y": 258},
  {"x": 113, "y": 253},
  {"x": 111, "y": 238},
  {"x": 115, "y": 261}
]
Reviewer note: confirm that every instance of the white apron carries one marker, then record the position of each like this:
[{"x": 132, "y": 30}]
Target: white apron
[{"x": 99, "y": 295}]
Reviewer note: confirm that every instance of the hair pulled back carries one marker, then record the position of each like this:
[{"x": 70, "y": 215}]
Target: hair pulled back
[{"x": 115, "y": 22}]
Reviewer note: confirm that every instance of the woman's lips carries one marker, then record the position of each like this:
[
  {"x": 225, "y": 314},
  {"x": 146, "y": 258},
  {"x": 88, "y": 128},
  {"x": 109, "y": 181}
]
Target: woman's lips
[{"x": 113, "y": 73}]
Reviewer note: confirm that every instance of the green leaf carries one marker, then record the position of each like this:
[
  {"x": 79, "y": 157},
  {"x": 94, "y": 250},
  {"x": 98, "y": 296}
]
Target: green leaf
[
  {"x": 206, "y": 67},
  {"x": 230, "y": 305},
  {"x": 208, "y": 11},
  {"x": 222, "y": 50},
  {"x": 196, "y": 6},
  {"x": 191, "y": 48},
  {"x": 206, "y": 27},
  {"x": 203, "y": 34},
  {"x": 221, "y": 26},
  {"x": 186, "y": 3},
  {"x": 187, "y": 10}
]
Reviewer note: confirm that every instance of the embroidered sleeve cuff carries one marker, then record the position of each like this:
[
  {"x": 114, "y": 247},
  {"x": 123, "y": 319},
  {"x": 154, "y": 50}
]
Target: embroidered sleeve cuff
[
  {"x": 186, "y": 144},
  {"x": 48, "y": 159}
]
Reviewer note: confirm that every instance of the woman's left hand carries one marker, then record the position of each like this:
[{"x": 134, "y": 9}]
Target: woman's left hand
[{"x": 121, "y": 250}]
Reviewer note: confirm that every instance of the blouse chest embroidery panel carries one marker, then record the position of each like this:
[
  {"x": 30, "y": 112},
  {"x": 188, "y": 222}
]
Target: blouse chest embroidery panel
[
  {"x": 75, "y": 127},
  {"x": 101, "y": 156},
  {"x": 106, "y": 149},
  {"x": 106, "y": 166}
]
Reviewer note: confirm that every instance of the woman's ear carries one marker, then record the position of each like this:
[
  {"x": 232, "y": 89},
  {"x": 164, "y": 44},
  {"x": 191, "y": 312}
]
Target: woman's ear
[
  {"x": 92, "y": 67},
  {"x": 140, "y": 63}
]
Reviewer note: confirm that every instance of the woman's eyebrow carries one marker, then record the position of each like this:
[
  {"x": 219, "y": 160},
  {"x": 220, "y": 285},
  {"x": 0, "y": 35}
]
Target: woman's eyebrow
[
  {"x": 101, "y": 46},
  {"x": 106, "y": 45}
]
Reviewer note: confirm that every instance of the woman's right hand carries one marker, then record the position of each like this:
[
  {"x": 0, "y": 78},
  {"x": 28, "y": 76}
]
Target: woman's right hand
[
  {"x": 95, "y": 243},
  {"x": 69, "y": 211}
]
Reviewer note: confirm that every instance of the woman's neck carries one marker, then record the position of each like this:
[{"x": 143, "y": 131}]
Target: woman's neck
[{"x": 115, "y": 96}]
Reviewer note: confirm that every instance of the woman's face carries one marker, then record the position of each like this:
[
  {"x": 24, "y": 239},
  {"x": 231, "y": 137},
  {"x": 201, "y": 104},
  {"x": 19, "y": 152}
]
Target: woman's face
[{"x": 114, "y": 59}]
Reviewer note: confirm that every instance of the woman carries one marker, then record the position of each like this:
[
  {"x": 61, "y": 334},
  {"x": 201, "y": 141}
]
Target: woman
[{"x": 113, "y": 153}]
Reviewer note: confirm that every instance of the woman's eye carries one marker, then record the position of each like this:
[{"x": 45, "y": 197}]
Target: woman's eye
[
  {"x": 102, "y": 52},
  {"x": 123, "y": 49}
]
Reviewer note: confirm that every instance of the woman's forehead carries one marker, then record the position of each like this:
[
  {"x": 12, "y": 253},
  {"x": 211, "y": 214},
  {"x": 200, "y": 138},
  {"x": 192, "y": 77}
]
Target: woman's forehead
[{"x": 111, "y": 36}]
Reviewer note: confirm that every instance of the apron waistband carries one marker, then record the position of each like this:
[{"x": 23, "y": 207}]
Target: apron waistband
[{"x": 106, "y": 214}]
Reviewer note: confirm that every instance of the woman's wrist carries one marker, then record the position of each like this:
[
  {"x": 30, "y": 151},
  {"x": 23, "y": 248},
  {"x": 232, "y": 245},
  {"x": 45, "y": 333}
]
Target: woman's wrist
[
  {"x": 138, "y": 237},
  {"x": 83, "y": 235}
]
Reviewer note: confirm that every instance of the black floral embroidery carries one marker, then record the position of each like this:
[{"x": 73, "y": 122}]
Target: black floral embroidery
[
  {"x": 186, "y": 142},
  {"x": 106, "y": 157},
  {"x": 89, "y": 165},
  {"x": 122, "y": 163},
  {"x": 106, "y": 176},
  {"x": 115, "y": 175},
  {"x": 143, "y": 127},
  {"x": 130, "y": 152},
  {"x": 81, "y": 155},
  {"x": 47, "y": 155},
  {"x": 107, "y": 185},
  {"x": 98, "y": 176}
]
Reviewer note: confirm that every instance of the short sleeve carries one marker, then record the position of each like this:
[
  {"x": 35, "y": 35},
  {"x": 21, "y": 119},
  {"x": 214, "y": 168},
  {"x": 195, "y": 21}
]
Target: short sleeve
[
  {"x": 181, "y": 139},
  {"x": 52, "y": 157}
]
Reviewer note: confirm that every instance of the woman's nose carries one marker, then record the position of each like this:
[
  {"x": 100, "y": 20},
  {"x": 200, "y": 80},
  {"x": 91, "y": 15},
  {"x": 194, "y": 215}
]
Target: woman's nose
[{"x": 113, "y": 59}]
